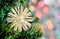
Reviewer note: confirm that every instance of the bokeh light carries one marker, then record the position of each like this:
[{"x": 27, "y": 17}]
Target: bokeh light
[
  {"x": 59, "y": 1},
  {"x": 32, "y": 8},
  {"x": 40, "y": 5},
  {"x": 38, "y": 14},
  {"x": 48, "y": 12},
  {"x": 49, "y": 24},
  {"x": 57, "y": 16},
  {"x": 41, "y": 27},
  {"x": 45, "y": 9},
  {"x": 34, "y": 1},
  {"x": 46, "y": 2},
  {"x": 51, "y": 36}
]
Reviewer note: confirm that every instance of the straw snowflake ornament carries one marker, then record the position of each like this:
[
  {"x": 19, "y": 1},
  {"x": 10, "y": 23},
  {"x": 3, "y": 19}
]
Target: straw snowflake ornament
[{"x": 20, "y": 18}]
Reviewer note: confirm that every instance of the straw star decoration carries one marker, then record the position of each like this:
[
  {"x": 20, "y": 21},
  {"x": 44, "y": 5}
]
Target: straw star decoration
[{"x": 20, "y": 18}]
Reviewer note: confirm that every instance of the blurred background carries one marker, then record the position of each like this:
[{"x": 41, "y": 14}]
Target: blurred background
[{"x": 48, "y": 12}]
